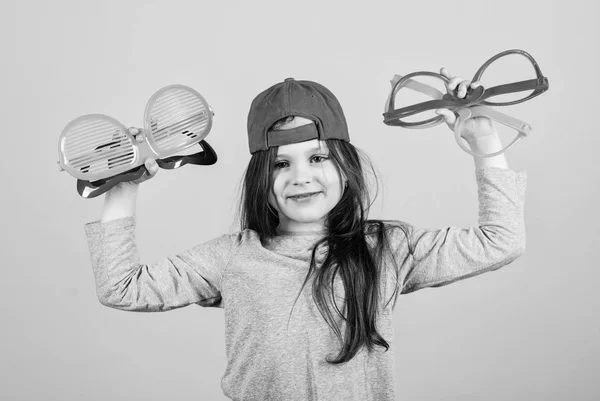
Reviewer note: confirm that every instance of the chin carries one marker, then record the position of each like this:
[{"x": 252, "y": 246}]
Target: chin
[{"x": 306, "y": 218}]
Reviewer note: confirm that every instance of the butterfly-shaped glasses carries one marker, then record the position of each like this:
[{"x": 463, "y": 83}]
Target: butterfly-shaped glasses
[
  {"x": 101, "y": 152},
  {"x": 478, "y": 102}
]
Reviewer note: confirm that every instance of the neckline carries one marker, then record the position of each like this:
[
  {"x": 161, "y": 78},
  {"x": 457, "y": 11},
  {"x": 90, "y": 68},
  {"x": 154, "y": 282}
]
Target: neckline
[{"x": 283, "y": 233}]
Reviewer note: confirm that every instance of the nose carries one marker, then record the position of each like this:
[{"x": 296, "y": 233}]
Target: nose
[{"x": 302, "y": 174}]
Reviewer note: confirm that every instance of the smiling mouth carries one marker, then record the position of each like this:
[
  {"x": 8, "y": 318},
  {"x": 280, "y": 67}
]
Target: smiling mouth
[{"x": 302, "y": 196}]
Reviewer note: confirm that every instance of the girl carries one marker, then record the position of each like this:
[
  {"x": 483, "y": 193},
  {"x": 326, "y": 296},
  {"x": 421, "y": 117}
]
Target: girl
[{"x": 309, "y": 284}]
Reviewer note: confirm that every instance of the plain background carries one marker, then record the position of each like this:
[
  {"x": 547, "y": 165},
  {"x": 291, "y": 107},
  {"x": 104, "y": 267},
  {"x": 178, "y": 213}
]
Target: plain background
[{"x": 529, "y": 331}]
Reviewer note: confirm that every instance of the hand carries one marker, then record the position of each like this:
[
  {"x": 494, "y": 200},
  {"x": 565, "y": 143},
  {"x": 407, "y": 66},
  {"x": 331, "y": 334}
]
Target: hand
[
  {"x": 474, "y": 128},
  {"x": 149, "y": 163}
]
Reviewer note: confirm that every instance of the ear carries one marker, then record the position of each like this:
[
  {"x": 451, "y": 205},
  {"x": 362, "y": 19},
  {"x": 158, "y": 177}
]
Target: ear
[{"x": 344, "y": 179}]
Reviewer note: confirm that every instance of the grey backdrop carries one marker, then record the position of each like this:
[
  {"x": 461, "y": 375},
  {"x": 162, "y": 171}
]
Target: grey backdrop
[{"x": 527, "y": 332}]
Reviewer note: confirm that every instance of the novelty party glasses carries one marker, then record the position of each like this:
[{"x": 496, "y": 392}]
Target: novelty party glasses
[
  {"x": 477, "y": 102},
  {"x": 101, "y": 152}
]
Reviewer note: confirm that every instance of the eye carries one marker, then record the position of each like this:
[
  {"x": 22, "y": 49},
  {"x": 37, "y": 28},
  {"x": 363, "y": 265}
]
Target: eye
[
  {"x": 281, "y": 164},
  {"x": 319, "y": 158}
]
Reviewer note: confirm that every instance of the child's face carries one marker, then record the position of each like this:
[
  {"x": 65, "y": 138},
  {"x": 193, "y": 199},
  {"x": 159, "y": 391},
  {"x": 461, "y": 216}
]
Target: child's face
[{"x": 305, "y": 168}]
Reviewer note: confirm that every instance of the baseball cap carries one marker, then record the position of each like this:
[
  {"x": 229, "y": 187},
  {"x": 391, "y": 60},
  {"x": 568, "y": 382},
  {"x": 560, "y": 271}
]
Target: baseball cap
[{"x": 295, "y": 98}]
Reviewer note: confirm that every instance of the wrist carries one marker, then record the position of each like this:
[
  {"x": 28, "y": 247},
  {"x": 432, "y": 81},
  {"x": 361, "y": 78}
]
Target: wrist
[
  {"x": 489, "y": 143},
  {"x": 119, "y": 202},
  {"x": 122, "y": 190}
]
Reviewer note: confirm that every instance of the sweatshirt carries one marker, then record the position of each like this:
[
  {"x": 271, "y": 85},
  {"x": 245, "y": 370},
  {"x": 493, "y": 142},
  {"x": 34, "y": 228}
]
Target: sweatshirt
[{"x": 276, "y": 339}]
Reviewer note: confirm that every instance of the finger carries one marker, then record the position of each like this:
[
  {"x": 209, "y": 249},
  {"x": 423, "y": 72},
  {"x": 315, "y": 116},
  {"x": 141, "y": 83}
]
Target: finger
[
  {"x": 444, "y": 72},
  {"x": 134, "y": 130},
  {"x": 462, "y": 89},
  {"x": 476, "y": 84},
  {"x": 151, "y": 166},
  {"x": 453, "y": 83},
  {"x": 449, "y": 116}
]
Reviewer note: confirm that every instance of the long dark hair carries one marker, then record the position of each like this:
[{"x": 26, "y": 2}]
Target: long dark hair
[{"x": 350, "y": 257}]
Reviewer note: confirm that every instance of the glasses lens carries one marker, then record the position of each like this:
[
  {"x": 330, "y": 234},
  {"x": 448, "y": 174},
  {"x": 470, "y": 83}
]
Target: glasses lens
[
  {"x": 176, "y": 118},
  {"x": 507, "y": 135},
  {"x": 509, "y": 69},
  {"x": 96, "y": 147},
  {"x": 418, "y": 89}
]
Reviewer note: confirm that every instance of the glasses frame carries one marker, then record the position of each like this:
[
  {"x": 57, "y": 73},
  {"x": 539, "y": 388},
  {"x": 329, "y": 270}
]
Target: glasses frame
[
  {"x": 143, "y": 146},
  {"x": 473, "y": 105}
]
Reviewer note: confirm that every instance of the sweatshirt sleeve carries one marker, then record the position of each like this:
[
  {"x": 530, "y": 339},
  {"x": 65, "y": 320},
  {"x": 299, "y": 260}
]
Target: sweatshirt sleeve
[
  {"x": 437, "y": 257},
  {"x": 193, "y": 276}
]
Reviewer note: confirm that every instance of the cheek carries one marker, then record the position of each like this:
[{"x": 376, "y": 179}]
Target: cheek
[
  {"x": 276, "y": 187},
  {"x": 273, "y": 202},
  {"x": 334, "y": 179}
]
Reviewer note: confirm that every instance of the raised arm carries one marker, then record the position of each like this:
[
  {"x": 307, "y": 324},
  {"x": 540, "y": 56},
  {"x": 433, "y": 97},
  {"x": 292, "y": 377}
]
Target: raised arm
[
  {"x": 122, "y": 282},
  {"x": 437, "y": 257},
  {"x": 433, "y": 258}
]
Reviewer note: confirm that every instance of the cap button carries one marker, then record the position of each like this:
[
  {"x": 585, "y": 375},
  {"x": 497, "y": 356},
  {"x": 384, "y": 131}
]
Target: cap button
[{"x": 288, "y": 79}]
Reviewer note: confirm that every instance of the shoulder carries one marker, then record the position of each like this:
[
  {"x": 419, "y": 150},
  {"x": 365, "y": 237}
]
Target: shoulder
[
  {"x": 392, "y": 232},
  {"x": 386, "y": 227},
  {"x": 237, "y": 238},
  {"x": 226, "y": 245}
]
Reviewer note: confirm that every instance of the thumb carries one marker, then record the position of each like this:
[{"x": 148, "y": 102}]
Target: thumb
[
  {"x": 449, "y": 116},
  {"x": 151, "y": 166}
]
